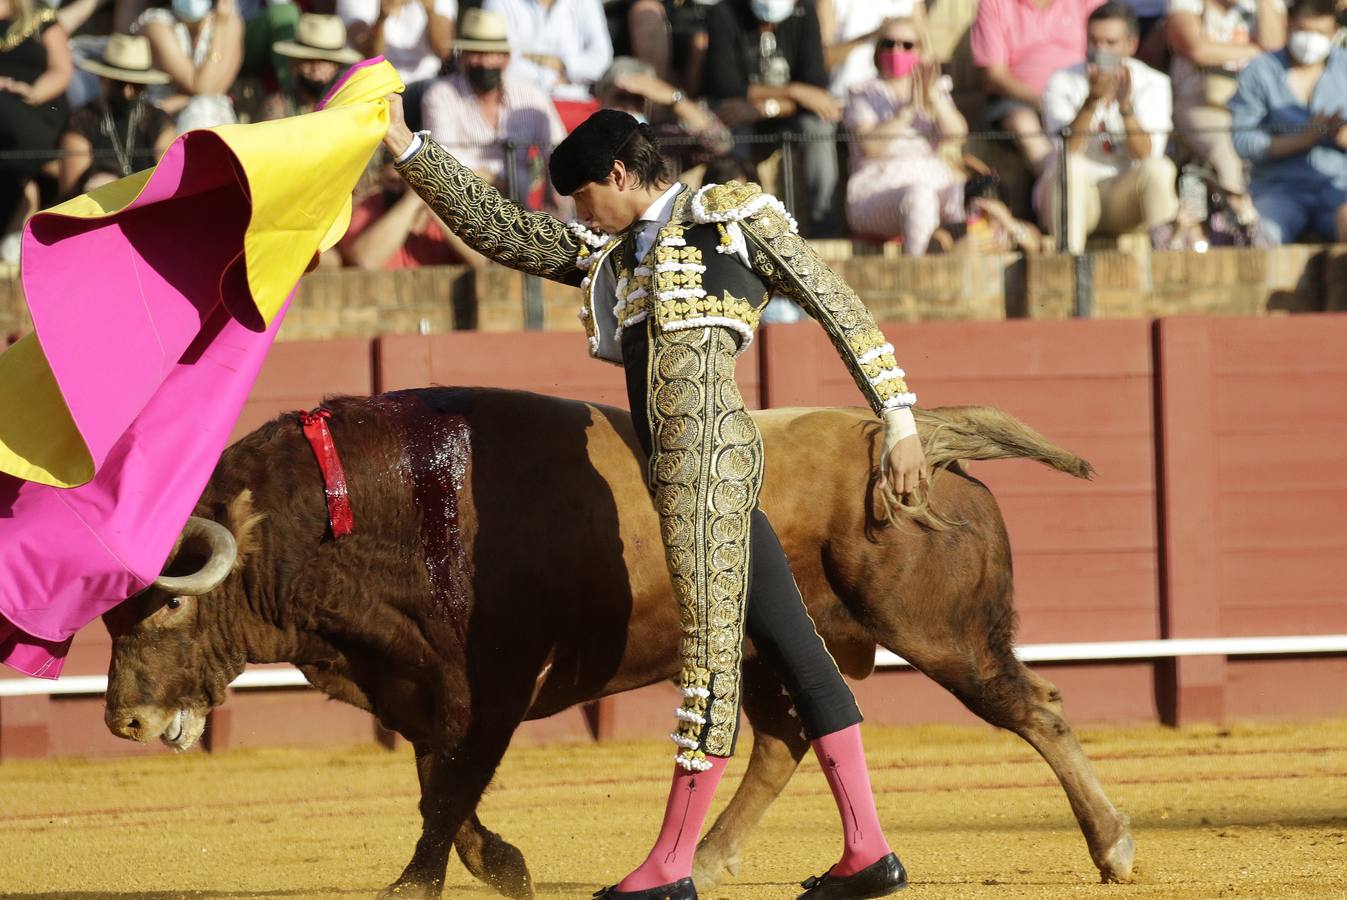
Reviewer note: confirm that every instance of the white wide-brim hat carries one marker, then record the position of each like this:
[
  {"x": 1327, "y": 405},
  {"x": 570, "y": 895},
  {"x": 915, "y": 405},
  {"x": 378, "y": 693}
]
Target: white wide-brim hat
[
  {"x": 482, "y": 31},
  {"x": 126, "y": 58},
  {"x": 318, "y": 37}
]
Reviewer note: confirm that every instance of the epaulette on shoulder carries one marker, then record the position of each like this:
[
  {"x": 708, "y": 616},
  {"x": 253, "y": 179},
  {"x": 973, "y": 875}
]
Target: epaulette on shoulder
[{"x": 734, "y": 202}]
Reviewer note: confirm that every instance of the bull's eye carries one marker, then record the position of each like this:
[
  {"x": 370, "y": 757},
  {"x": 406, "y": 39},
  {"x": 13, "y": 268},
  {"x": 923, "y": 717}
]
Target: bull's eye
[{"x": 174, "y": 602}]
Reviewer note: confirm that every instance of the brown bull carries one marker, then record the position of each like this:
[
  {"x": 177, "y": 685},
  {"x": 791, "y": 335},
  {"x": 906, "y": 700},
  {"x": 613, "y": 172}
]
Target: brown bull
[{"x": 506, "y": 564}]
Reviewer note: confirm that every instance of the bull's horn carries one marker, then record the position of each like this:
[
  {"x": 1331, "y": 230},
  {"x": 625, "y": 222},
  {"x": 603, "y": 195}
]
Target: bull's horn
[{"x": 223, "y": 552}]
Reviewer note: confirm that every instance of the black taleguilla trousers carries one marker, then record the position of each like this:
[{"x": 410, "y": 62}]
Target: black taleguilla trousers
[{"x": 666, "y": 384}]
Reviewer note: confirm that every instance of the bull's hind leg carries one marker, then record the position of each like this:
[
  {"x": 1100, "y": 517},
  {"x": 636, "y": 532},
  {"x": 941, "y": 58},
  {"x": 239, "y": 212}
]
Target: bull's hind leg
[
  {"x": 1008, "y": 695},
  {"x": 1105, "y": 829},
  {"x": 778, "y": 746}
]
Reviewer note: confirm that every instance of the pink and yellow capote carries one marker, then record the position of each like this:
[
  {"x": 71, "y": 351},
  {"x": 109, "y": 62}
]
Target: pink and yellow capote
[{"x": 154, "y": 301}]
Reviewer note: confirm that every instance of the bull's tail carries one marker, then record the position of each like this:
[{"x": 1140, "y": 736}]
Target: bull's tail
[{"x": 951, "y": 434}]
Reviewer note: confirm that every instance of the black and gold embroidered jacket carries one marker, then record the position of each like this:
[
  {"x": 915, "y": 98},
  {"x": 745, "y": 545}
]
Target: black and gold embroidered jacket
[{"x": 725, "y": 251}]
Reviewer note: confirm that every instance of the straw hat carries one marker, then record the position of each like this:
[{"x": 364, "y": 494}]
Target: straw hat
[
  {"x": 125, "y": 58},
  {"x": 318, "y": 37},
  {"x": 482, "y": 31}
]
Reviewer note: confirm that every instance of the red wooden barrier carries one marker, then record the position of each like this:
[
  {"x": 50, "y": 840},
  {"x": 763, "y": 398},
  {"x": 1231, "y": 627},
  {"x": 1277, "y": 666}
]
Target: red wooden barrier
[
  {"x": 1085, "y": 552},
  {"x": 1254, "y": 426},
  {"x": 553, "y": 363},
  {"x": 1239, "y": 531}
]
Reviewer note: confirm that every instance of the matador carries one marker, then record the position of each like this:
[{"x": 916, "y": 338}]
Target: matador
[{"x": 674, "y": 281}]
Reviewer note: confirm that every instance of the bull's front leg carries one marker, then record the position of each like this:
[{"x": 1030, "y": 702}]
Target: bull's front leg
[
  {"x": 493, "y": 860},
  {"x": 452, "y": 783},
  {"x": 778, "y": 746}
]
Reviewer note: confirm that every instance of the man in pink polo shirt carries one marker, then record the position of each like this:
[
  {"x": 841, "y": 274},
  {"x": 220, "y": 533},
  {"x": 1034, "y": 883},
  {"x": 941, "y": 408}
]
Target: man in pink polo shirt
[{"x": 1017, "y": 45}]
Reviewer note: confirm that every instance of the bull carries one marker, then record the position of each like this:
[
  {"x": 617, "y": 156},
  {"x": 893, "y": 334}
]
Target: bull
[{"x": 506, "y": 564}]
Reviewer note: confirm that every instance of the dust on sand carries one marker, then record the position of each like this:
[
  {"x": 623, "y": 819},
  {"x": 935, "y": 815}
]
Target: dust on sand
[{"x": 1250, "y": 811}]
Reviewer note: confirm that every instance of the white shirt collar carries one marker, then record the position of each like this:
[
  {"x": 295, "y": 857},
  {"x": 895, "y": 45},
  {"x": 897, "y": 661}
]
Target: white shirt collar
[{"x": 661, "y": 210}]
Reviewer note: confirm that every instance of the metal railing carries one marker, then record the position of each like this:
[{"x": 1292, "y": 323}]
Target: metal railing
[{"x": 516, "y": 158}]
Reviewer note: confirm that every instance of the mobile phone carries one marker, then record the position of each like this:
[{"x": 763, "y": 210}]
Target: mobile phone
[{"x": 1107, "y": 60}]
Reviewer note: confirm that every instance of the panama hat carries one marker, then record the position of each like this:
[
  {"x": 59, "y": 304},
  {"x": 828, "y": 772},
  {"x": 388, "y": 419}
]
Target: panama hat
[
  {"x": 482, "y": 31},
  {"x": 318, "y": 37},
  {"x": 125, "y": 58}
]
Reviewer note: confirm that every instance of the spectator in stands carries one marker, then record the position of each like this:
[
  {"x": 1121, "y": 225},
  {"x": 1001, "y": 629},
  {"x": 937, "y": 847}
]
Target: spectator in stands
[
  {"x": 393, "y": 228},
  {"x": 1212, "y": 41},
  {"x": 317, "y": 55},
  {"x": 850, "y": 29},
  {"x": 563, "y": 46},
  {"x": 35, "y": 69},
  {"x": 483, "y": 103},
  {"x": 1017, "y": 45},
  {"x": 200, "y": 45},
  {"x": 1288, "y": 116},
  {"x": 416, "y": 36},
  {"x": 1118, "y": 110},
  {"x": 689, "y": 132},
  {"x": 899, "y": 183},
  {"x": 1149, "y": 13},
  {"x": 642, "y": 29},
  {"x": 688, "y": 41},
  {"x": 766, "y": 76},
  {"x": 122, "y": 131},
  {"x": 724, "y": 169}
]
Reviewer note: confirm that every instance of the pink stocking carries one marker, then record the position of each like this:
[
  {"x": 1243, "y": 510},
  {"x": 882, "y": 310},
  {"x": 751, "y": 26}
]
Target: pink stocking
[
  {"x": 670, "y": 859},
  {"x": 843, "y": 760}
]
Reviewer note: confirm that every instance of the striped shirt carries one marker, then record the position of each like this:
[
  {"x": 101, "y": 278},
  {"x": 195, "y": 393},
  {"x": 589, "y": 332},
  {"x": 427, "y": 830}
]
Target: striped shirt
[{"x": 452, "y": 115}]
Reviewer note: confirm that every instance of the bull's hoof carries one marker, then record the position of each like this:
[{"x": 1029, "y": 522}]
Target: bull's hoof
[
  {"x": 709, "y": 870},
  {"x": 1116, "y": 865},
  {"x": 410, "y": 890},
  {"x": 506, "y": 870}
]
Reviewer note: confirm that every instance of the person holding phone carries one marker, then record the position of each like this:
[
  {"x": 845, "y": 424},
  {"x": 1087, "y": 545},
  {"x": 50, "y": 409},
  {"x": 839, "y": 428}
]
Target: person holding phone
[
  {"x": 900, "y": 184},
  {"x": 1120, "y": 113}
]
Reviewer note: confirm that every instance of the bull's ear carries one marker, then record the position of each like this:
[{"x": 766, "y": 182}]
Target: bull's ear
[{"x": 242, "y": 519}]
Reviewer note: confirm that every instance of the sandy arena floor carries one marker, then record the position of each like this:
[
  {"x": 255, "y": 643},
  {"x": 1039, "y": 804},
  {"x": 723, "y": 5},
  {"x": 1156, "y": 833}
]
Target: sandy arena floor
[{"x": 1250, "y": 812}]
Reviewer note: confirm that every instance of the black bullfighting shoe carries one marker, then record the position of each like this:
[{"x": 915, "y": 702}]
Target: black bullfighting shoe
[
  {"x": 879, "y": 879},
  {"x": 683, "y": 889}
]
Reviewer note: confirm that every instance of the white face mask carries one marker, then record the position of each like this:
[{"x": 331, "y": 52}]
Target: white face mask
[
  {"x": 772, "y": 11},
  {"x": 192, "y": 10},
  {"x": 1309, "y": 47}
]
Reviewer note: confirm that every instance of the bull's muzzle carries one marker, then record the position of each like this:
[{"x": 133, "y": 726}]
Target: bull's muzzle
[{"x": 178, "y": 728}]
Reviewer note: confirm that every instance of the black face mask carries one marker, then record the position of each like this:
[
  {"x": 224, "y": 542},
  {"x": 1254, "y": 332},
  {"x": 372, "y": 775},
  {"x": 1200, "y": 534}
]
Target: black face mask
[
  {"x": 118, "y": 103},
  {"x": 311, "y": 87},
  {"x": 481, "y": 79}
]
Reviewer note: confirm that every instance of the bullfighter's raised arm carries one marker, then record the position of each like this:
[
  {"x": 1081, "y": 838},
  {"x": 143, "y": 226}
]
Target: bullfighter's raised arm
[
  {"x": 491, "y": 224},
  {"x": 756, "y": 226}
]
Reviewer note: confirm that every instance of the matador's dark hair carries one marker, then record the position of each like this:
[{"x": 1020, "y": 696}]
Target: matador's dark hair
[{"x": 588, "y": 153}]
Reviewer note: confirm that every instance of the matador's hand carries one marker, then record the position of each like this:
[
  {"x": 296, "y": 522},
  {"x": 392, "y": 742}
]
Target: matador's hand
[
  {"x": 903, "y": 460},
  {"x": 399, "y": 136}
]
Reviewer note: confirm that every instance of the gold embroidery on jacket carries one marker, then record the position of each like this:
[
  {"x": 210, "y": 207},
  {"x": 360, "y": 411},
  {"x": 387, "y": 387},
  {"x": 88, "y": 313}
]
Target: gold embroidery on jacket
[
  {"x": 790, "y": 265},
  {"x": 531, "y": 242}
]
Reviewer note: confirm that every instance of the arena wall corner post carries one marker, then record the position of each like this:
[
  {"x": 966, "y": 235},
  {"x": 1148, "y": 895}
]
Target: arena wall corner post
[{"x": 1190, "y": 689}]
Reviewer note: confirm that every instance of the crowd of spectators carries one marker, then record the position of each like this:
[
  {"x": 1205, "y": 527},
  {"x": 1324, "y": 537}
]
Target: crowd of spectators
[{"x": 1191, "y": 121}]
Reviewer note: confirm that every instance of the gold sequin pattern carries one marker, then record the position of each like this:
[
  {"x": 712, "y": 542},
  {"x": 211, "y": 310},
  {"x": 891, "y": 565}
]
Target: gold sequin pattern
[
  {"x": 790, "y": 265},
  {"x": 531, "y": 242},
  {"x": 705, "y": 475}
]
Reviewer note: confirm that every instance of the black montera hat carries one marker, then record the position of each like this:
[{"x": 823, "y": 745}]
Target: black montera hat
[{"x": 588, "y": 152}]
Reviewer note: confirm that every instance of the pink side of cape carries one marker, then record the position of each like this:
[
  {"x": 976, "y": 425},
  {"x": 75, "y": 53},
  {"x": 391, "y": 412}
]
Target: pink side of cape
[{"x": 130, "y": 315}]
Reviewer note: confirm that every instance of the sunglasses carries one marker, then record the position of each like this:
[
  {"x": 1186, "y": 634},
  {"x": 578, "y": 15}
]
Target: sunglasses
[{"x": 890, "y": 43}]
